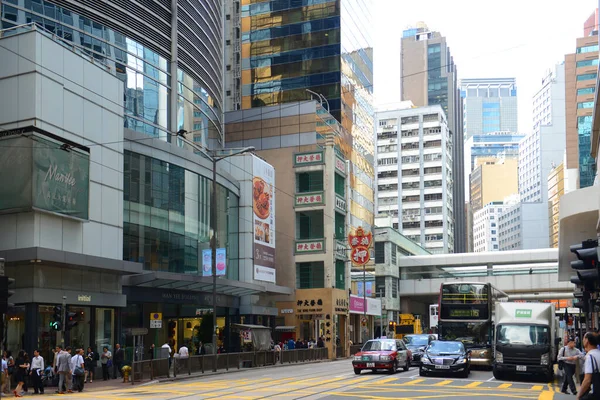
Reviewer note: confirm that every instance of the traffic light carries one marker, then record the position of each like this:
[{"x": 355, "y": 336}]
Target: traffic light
[
  {"x": 71, "y": 321},
  {"x": 392, "y": 328},
  {"x": 5, "y": 292},
  {"x": 56, "y": 323},
  {"x": 582, "y": 301},
  {"x": 586, "y": 264}
]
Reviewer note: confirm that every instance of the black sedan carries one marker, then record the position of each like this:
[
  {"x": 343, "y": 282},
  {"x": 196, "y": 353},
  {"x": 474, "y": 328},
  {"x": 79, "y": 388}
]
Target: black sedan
[
  {"x": 417, "y": 344},
  {"x": 446, "y": 357}
]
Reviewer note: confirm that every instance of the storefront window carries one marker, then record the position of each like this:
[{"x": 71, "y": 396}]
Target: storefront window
[
  {"x": 46, "y": 335},
  {"x": 105, "y": 326},
  {"x": 80, "y": 333},
  {"x": 15, "y": 329}
]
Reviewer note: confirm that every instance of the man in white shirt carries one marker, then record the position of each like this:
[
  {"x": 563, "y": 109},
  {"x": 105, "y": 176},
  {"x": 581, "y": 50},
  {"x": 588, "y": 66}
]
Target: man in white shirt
[
  {"x": 37, "y": 369},
  {"x": 591, "y": 366},
  {"x": 166, "y": 352},
  {"x": 3, "y": 375},
  {"x": 184, "y": 352},
  {"x": 78, "y": 370}
]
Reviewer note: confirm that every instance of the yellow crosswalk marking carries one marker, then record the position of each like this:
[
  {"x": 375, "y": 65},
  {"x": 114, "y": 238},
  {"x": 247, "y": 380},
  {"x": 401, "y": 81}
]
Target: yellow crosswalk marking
[
  {"x": 443, "y": 383},
  {"x": 473, "y": 384},
  {"x": 537, "y": 387},
  {"x": 546, "y": 395},
  {"x": 383, "y": 381},
  {"x": 412, "y": 382},
  {"x": 505, "y": 386}
]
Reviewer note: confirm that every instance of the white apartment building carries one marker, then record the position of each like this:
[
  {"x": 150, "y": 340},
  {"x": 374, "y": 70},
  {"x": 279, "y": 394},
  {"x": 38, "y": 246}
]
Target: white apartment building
[
  {"x": 414, "y": 175},
  {"x": 544, "y": 147},
  {"x": 524, "y": 226},
  {"x": 485, "y": 227}
]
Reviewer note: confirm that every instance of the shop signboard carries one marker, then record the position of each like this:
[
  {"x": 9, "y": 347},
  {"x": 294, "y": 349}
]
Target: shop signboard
[
  {"x": 45, "y": 175},
  {"x": 360, "y": 242},
  {"x": 263, "y": 206},
  {"x": 310, "y": 199},
  {"x": 310, "y": 246},
  {"x": 357, "y": 306},
  {"x": 340, "y": 165},
  {"x": 207, "y": 262},
  {"x": 310, "y": 158}
]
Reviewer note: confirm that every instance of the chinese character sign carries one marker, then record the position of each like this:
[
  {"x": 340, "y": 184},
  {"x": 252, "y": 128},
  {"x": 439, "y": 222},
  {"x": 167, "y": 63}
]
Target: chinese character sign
[{"x": 360, "y": 243}]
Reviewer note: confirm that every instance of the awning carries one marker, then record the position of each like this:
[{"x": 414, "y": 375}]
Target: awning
[
  {"x": 285, "y": 328},
  {"x": 170, "y": 280},
  {"x": 248, "y": 326}
]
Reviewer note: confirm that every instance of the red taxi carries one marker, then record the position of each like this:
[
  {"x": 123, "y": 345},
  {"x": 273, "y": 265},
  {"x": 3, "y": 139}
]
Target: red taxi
[{"x": 390, "y": 354}]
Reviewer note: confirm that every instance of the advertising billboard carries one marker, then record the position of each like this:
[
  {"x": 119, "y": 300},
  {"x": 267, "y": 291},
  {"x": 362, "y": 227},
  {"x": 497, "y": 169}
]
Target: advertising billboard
[
  {"x": 36, "y": 173},
  {"x": 263, "y": 206},
  {"x": 207, "y": 262}
]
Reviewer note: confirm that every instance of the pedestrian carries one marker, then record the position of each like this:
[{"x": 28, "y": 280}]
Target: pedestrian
[
  {"x": 10, "y": 362},
  {"x": 57, "y": 354},
  {"x": 184, "y": 351},
  {"x": 65, "y": 374},
  {"x": 568, "y": 357},
  {"x": 320, "y": 343},
  {"x": 22, "y": 365},
  {"x": 118, "y": 361},
  {"x": 3, "y": 374},
  {"x": 151, "y": 351},
  {"x": 106, "y": 361},
  {"x": 166, "y": 352},
  {"x": 78, "y": 370},
  {"x": 591, "y": 368},
  {"x": 36, "y": 371},
  {"x": 291, "y": 344},
  {"x": 90, "y": 364}
]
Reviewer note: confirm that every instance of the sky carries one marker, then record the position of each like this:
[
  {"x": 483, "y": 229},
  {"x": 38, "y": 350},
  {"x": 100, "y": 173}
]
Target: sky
[{"x": 488, "y": 39}]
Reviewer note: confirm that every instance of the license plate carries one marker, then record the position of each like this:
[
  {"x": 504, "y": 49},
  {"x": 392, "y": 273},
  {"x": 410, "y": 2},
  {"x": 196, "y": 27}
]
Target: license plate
[
  {"x": 370, "y": 365},
  {"x": 521, "y": 368},
  {"x": 442, "y": 367}
]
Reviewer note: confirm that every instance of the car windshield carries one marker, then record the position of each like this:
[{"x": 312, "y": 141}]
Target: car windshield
[
  {"x": 378, "y": 345},
  {"x": 529, "y": 335},
  {"x": 416, "y": 340},
  {"x": 437, "y": 348}
]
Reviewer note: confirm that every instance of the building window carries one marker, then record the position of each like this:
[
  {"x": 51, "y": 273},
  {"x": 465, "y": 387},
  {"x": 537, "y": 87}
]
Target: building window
[
  {"x": 340, "y": 226},
  {"x": 394, "y": 254},
  {"x": 587, "y": 49},
  {"x": 380, "y": 286},
  {"x": 310, "y": 275},
  {"x": 379, "y": 252},
  {"x": 307, "y": 182},
  {"x": 585, "y": 104},
  {"x": 340, "y": 185},
  {"x": 394, "y": 288},
  {"x": 587, "y": 77},
  {"x": 587, "y": 63},
  {"x": 584, "y": 91},
  {"x": 340, "y": 274},
  {"x": 309, "y": 225}
]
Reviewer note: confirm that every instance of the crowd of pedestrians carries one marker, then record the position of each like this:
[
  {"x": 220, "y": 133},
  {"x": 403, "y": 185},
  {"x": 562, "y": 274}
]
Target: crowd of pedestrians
[{"x": 571, "y": 359}]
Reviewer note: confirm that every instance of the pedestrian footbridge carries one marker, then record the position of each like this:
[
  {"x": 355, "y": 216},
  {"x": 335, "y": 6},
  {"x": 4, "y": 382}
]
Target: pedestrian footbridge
[{"x": 522, "y": 274}]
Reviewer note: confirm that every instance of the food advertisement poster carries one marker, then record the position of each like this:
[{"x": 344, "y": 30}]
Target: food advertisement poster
[{"x": 263, "y": 206}]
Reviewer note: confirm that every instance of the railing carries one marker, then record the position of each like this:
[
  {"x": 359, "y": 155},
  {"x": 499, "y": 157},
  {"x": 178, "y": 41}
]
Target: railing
[{"x": 164, "y": 368}]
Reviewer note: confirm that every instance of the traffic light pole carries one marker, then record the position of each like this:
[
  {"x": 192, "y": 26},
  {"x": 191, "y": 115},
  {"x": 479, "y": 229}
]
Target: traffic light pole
[{"x": 63, "y": 323}]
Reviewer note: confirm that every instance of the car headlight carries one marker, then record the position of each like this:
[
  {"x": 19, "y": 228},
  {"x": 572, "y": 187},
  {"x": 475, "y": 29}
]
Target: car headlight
[
  {"x": 425, "y": 360},
  {"x": 357, "y": 358},
  {"x": 545, "y": 359},
  {"x": 461, "y": 360},
  {"x": 385, "y": 358},
  {"x": 499, "y": 357}
]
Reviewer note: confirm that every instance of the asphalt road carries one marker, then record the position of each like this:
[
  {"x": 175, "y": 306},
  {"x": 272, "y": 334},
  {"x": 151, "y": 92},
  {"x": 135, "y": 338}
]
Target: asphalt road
[{"x": 329, "y": 380}]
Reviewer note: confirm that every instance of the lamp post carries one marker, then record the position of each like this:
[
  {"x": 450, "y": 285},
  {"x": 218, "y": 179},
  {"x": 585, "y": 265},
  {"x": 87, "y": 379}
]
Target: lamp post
[{"x": 213, "y": 225}]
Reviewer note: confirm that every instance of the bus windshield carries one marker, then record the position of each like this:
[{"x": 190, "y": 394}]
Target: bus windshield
[
  {"x": 464, "y": 293},
  {"x": 529, "y": 335},
  {"x": 471, "y": 334}
]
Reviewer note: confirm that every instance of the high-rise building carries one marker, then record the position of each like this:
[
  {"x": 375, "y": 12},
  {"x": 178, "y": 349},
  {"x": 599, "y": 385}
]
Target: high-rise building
[
  {"x": 485, "y": 178},
  {"x": 151, "y": 47},
  {"x": 414, "y": 175},
  {"x": 281, "y": 52},
  {"x": 490, "y": 105},
  {"x": 581, "y": 73},
  {"x": 485, "y": 227},
  {"x": 523, "y": 226},
  {"x": 428, "y": 76},
  {"x": 544, "y": 147}
]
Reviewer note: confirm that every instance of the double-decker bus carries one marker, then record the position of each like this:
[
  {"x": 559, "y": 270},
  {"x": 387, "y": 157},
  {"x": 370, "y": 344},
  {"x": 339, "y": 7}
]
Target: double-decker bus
[{"x": 466, "y": 313}]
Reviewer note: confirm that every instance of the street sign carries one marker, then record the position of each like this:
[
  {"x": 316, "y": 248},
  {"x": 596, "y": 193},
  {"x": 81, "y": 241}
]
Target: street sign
[
  {"x": 155, "y": 316},
  {"x": 155, "y": 323}
]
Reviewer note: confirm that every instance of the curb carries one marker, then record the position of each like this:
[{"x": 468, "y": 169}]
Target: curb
[{"x": 231, "y": 371}]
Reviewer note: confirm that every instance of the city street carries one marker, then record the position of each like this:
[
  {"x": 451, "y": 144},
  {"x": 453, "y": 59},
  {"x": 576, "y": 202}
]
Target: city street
[{"x": 330, "y": 380}]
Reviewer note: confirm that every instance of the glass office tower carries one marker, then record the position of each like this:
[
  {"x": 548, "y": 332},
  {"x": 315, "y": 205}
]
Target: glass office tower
[{"x": 282, "y": 51}]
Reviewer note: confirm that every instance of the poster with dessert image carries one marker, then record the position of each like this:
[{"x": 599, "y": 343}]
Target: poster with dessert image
[{"x": 263, "y": 207}]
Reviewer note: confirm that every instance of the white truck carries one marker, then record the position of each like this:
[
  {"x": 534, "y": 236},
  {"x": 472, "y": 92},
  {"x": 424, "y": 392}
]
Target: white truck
[{"x": 524, "y": 339}]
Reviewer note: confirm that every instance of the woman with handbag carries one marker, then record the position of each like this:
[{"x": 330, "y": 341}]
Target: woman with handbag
[
  {"x": 106, "y": 361},
  {"x": 22, "y": 365}
]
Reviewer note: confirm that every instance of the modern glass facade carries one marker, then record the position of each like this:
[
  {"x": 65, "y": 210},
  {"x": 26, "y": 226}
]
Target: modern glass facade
[
  {"x": 291, "y": 46},
  {"x": 145, "y": 72},
  {"x": 167, "y": 217},
  {"x": 587, "y": 164}
]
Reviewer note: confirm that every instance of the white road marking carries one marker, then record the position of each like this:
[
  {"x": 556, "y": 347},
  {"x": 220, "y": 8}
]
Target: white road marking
[
  {"x": 414, "y": 376},
  {"x": 491, "y": 379}
]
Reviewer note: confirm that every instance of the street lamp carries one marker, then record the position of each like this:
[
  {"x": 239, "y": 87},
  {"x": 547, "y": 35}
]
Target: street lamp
[{"x": 213, "y": 224}]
